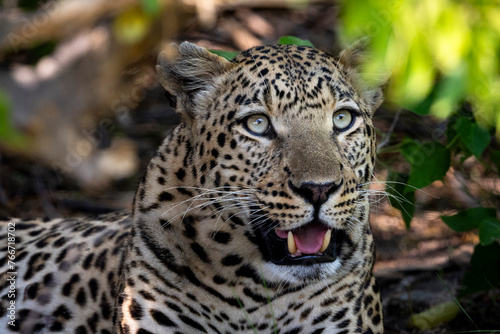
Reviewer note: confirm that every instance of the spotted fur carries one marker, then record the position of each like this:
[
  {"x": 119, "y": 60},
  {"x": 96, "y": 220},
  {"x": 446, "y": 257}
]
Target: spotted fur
[{"x": 201, "y": 252}]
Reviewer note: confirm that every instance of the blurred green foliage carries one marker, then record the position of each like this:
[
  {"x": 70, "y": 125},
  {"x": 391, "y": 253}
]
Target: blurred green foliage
[
  {"x": 8, "y": 134},
  {"x": 443, "y": 59},
  {"x": 30, "y": 5},
  {"x": 438, "y": 53},
  {"x": 429, "y": 161},
  {"x": 36, "y": 52},
  {"x": 134, "y": 24},
  {"x": 151, "y": 7}
]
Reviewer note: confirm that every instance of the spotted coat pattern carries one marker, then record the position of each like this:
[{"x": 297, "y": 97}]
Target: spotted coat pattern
[{"x": 200, "y": 253}]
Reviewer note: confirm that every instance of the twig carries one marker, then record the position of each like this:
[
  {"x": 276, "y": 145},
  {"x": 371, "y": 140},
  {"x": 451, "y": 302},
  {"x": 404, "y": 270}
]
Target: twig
[{"x": 387, "y": 137}]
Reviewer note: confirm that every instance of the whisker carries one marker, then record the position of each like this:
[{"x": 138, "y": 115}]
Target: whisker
[{"x": 208, "y": 200}]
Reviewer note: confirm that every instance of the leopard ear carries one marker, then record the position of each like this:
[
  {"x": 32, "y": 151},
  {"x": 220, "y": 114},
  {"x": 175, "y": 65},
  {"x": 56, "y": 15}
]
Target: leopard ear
[
  {"x": 353, "y": 58},
  {"x": 186, "y": 70}
]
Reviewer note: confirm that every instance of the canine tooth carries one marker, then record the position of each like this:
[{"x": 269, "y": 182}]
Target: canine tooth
[
  {"x": 292, "y": 247},
  {"x": 326, "y": 241}
]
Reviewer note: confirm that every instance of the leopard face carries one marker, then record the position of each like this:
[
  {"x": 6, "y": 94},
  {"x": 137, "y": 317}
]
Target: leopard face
[{"x": 272, "y": 161}]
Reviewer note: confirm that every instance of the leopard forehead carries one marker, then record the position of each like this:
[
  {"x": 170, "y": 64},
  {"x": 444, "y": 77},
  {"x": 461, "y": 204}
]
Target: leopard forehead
[
  {"x": 293, "y": 63},
  {"x": 289, "y": 80}
]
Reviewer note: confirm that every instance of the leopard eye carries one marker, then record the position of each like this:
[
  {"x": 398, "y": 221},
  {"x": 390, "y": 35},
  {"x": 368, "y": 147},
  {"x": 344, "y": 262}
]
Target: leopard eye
[
  {"x": 258, "y": 124},
  {"x": 343, "y": 119}
]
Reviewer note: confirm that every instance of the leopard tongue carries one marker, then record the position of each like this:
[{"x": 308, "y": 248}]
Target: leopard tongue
[{"x": 310, "y": 238}]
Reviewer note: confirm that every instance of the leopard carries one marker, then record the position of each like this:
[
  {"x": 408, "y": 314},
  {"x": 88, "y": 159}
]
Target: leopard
[{"x": 251, "y": 217}]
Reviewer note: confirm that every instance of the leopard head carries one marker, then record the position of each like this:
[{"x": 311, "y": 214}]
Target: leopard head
[{"x": 271, "y": 163}]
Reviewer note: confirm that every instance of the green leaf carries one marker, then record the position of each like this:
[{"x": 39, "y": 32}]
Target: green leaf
[
  {"x": 451, "y": 133},
  {"x": 474, "y": 137},
  {"x": 429, "y": 161},
  {"x": 404, "y": 202},
  {"x": 286, "y": 40},
  {"x": 225, "y": 54},
  {"x": 489, "y": 231},
  {"x": 454, "y": 141},
  {"x": 409, "y": 151},
  {"x": 469, "y": 219},
  {"x": 484, "y": 271},
  {"x": 434, "y": 316}
]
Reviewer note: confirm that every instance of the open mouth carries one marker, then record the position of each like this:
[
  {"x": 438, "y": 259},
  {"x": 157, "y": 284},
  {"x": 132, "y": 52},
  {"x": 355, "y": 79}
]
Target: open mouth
[{"x": 307, "y": 245}]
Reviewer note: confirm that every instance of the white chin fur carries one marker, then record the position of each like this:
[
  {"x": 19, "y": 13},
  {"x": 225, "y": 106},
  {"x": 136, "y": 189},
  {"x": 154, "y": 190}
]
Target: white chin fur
[{"x": 299, "y": 274}]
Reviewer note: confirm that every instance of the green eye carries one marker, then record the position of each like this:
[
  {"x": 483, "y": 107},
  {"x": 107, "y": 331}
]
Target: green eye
[
  {"x": 258, "y": 124},
  {"x": 343, "y": 119}
]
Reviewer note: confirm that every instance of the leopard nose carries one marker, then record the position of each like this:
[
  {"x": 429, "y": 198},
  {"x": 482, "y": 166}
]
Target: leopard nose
[{"x": 315, "y": 193}]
